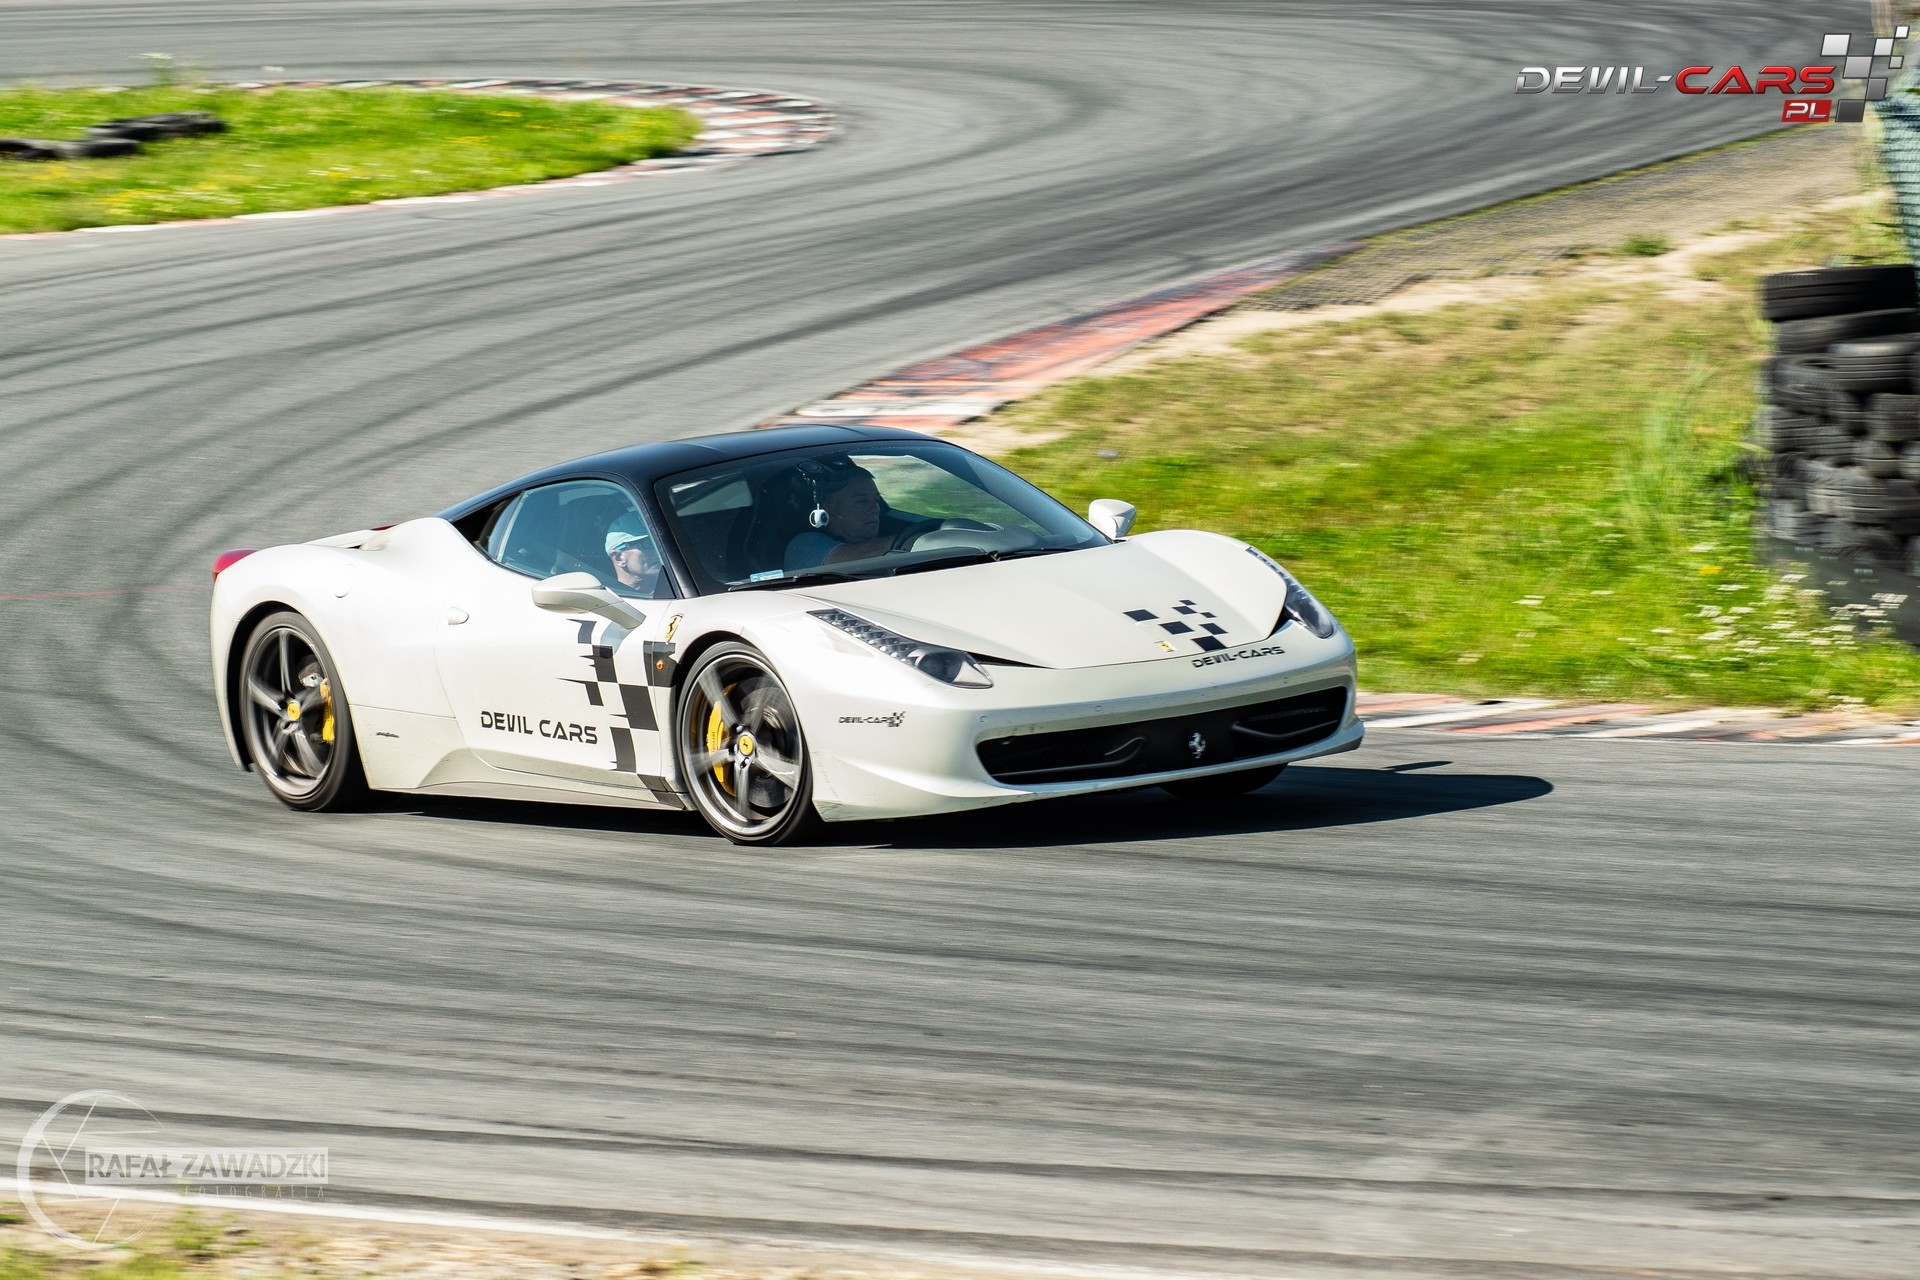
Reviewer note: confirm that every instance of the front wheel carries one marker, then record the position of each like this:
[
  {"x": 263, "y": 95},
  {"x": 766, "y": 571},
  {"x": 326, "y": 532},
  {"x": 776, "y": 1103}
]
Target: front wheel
[
  {"x": 1223, "y": 786},
  {"x": 741, "y": 753},
  {"x": 295, "y": 718}
]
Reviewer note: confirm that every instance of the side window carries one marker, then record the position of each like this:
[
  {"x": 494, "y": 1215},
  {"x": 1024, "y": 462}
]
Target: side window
[{"x": 576, "y": 526}]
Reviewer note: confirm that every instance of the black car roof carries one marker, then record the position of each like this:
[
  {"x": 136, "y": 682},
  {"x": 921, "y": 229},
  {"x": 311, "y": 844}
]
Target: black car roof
[{"x": 642, "y": 464}]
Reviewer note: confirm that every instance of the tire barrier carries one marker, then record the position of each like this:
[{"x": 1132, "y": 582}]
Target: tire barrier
[
  {"x": 114, "y": 138},
  {"x": 1837, "y": 433}
]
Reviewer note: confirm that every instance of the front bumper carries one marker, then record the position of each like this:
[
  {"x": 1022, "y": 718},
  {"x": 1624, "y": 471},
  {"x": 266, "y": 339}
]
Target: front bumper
[{"x": 906, "y": 745}]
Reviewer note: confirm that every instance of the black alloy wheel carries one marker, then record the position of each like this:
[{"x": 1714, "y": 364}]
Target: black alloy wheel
[
  {"x": 295, "y": 720},
  {"x": 741, "y": 751}
]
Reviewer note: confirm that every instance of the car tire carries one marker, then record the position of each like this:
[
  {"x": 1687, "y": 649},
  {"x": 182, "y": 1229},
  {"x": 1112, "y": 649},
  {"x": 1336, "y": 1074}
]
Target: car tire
[
  {"x": 164, "y": 124},
  {"x": 1800, "y": 382},
  {"x": 1878, "y": 459},
  {"x": 1827, "y": 441},
  {"x": 1894, "y": 419},
  {"x": 1863, "y": 499},
  {"x": 741, "y": 751},
  {"x": 1223, "y": 786},
  {"x": 1778, "y": 431},
  {"x": 1910, "y": 462},
  {"x": 1786, "y": 518},
  {"x": 26, "y": 149},
  {"x": 1870, "y": 545},
  {"x": 65, "y": 149},
  {"x": 1782, "y": 475},
  {"x": 1804, "y": 295},
  {"x": 1806, "y": 337},
  {"x": 296, "y": 722},
  {"x": 1799, "y": 527},
  {"x": 1879, "y": 364}
]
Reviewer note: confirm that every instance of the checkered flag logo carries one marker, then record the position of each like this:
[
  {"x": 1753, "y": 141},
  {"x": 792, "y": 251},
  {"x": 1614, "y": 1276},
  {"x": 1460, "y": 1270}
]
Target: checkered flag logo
[
  {"x": 1866, "y": 60},
  {"x": 623, "y": 700},
  {"x": 1186, "y": 619}
]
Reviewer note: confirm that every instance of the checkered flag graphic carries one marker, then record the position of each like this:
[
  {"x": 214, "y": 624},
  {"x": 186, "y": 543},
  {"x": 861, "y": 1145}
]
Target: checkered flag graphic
[
  {"x": 625, "y": 700},
  {"x": 1864, "y": 60},
  {"x": 1188, "y": 619}
]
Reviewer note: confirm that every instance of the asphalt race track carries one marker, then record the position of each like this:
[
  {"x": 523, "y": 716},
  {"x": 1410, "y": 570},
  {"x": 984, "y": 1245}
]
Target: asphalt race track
[{"x": 1441, "y": 1007}]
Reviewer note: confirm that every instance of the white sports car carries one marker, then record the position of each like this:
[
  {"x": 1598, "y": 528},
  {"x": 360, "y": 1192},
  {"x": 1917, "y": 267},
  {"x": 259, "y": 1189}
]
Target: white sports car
[{"x": 773, "y": 627}]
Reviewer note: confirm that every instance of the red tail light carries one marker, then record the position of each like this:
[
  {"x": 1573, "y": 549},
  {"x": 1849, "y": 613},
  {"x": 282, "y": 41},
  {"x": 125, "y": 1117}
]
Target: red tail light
[{"x": 227, "y": 559}]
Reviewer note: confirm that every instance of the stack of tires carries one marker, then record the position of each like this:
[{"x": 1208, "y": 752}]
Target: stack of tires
[
  {"x": 114, "y": 138},
  {"x": 1839, "y": 419}
]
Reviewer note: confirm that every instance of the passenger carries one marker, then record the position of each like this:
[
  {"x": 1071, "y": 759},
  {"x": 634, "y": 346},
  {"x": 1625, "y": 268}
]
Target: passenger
[
  {"x": 637, "y": 567},
  {"x": 852, "y": 531}
]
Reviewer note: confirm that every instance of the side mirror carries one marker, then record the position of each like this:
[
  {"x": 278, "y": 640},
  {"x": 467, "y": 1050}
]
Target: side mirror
[
  {"x": 1111, "y": 516},
  {"x": 584, "y": 593}
]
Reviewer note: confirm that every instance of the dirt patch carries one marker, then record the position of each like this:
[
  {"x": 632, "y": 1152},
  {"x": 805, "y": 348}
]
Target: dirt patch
[
  {"x": 214, "y": 1244},
  {"x": 1680, "y": 200},
  {"x": 1675, "y": 273},
  {"x": 1701, "y": 206}
]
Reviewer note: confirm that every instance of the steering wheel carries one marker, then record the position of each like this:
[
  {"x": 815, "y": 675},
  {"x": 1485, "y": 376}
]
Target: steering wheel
[{"x": 904, "y": 540}]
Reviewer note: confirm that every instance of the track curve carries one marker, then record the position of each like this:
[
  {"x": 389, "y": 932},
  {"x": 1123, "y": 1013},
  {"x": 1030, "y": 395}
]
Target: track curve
[{"x": 1537, "y": 1008}]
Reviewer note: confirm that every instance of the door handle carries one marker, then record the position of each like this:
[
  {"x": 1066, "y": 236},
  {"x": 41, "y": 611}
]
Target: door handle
[{"x": 456, "y": 615}]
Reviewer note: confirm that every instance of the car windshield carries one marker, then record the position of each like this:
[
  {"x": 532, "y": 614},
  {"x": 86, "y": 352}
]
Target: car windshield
[{"x": 863, "y": 510}]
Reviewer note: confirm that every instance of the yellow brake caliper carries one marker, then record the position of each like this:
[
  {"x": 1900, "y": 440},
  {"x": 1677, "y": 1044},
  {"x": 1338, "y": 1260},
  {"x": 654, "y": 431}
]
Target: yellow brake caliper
[
  {"x": 326, "y": 725},
  {"x": 716, "y": 737}
]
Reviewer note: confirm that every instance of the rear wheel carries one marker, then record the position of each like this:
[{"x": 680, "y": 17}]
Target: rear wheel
[
  {"x": 1223, "y": 786},
  {"x": 295, "y": 718},
  {"x": 741, "y": 753}
]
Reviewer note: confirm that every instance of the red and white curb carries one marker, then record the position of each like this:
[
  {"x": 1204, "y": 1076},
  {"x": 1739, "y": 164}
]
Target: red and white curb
[
  {"x": 949, "y": 390},
  {"x": 1544, "y": 718},
  {"x": 736, "y": 125}
]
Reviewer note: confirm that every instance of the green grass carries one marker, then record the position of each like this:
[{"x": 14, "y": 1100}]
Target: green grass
[
  {"x": 305, "y": 148},
  {"x": 1537, "y": 497},
  {"x": 187, "y": 1244},
  {"x": 1642, "y": 245}
]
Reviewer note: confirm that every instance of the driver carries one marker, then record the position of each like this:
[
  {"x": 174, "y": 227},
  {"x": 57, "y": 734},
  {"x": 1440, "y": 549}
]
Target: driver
[
  {"x": 852, "y": 532},
  {"x": 637, "y": 568}
]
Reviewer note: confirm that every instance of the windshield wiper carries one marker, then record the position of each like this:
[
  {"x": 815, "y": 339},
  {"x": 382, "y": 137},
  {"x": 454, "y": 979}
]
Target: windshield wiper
[
  {"x": 978, "y": 557},
  {"x": 798, "y": 576},
  {"x": 883, "y": 570}
]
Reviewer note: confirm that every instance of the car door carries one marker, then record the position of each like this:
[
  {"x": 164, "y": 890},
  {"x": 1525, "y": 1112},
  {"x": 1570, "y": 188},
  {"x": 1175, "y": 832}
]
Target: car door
[{"x": 570, "y": 697}]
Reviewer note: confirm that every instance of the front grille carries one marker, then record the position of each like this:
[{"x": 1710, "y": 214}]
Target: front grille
[{"x": 1173, "y": 742}]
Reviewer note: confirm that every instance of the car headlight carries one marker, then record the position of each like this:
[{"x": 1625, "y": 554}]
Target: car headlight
[
  {"x": 949, "y": 666},
  {"x": 1300, "y": 605},
  {"x": 1309, "y": 612}
]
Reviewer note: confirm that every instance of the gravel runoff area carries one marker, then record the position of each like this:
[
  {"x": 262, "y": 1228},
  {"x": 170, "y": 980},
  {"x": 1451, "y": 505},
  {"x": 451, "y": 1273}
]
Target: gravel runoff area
[
  {"x": 1694, "y": 194},
  {"x": 209, "y": 1243}
]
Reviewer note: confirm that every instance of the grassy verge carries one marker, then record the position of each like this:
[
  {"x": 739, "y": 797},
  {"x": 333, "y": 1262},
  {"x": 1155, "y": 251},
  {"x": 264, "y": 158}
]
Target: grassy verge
[
  {"x": 202, "y": 1244},
  {"x": 306, "y": 148},
  {"x": 1538, "y": 496}
]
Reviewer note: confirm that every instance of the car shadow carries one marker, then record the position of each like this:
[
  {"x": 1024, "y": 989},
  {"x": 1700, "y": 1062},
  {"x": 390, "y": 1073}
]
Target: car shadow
[{"x": 1305, "y": 798}]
